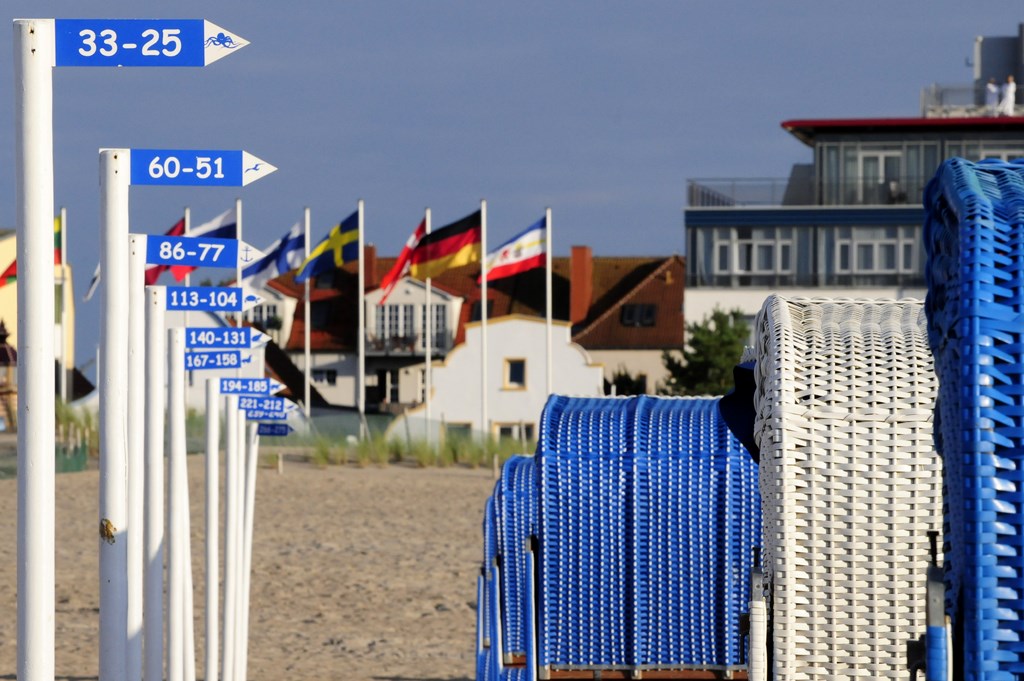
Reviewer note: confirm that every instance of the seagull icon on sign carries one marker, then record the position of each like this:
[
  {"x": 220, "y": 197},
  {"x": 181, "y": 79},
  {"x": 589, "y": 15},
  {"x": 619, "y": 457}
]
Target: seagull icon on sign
[{"x": 255, "y": 167}]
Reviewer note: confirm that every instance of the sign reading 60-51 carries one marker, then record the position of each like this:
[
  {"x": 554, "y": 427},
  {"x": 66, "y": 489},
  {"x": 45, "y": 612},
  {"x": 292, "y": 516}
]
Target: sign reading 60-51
[
  {"x": 142, "y": 42},
  {"x": 197, "y": 167}
]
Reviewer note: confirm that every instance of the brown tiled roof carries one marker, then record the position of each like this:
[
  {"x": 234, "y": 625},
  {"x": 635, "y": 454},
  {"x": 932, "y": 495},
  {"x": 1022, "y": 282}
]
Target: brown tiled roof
[{"x": 616, "y": 280}]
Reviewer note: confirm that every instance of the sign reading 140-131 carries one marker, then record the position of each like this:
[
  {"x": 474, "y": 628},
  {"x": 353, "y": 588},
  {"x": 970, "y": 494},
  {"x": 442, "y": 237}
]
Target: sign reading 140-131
[
  {"x": 196, "y": 167},
  {"x": 223, "y": 337},
  {"x": 142, "y": 42}
]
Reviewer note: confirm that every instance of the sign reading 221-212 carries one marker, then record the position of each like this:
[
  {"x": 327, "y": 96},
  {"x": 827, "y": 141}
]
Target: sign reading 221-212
[{"x": 142, "y": 42}]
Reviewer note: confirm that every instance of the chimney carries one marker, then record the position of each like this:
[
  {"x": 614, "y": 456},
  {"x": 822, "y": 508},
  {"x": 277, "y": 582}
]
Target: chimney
[
  {"x": 581, "y": 283},
  {"x": 370, "y": 279}
]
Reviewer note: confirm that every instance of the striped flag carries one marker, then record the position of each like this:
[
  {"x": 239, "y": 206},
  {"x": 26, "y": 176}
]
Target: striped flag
[
  {"x": 451, "y": 246},
  {"x": 284, "y": 255},
  {"x": 401, "y": 266},
  {"x": 224, "y": 226},
  {"x": 523, "y": 252}
]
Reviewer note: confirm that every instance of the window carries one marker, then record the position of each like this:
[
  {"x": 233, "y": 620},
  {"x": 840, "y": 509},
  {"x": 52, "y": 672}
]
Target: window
[
  {"x": 474, "y": 314},
  {"x": 319, "y": 314},
  {"x": 515, "y": 374},
  {"x": 514, "y": 431},
  {"x": 439, "y": 326},
  {"x": 635, "y": 314},
  {"x": 876, "y": 250},
  {"x": 327, "y": 376},
  {"x": 747, "y": 250}
]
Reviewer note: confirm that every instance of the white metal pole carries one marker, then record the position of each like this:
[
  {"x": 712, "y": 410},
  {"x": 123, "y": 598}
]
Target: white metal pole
[
  {"x": 361, "y": 387},
  {"x": 238, "y": 263},
  {"x": 240, "y": 549},
  {"x": 188, "y": 606},
  {"x": 483, "y": 323},
  {"x": 63, "y": 306},
  {"x": 136, "y": 448},
  {"x": 230, "y": 530},
  {"x": 156, "y": 398},
  {"x": 177, "y": 540},
  {"x": 428, "y": 328},
  {"x": 113, "y": 388},
  {"x": 547, "y": 295},
  {"x": 305, "y": 327},
  {"x": 212, "y": 523},
  {"x": 252, "y": 456},
  {"x": 34, "y": 56}
]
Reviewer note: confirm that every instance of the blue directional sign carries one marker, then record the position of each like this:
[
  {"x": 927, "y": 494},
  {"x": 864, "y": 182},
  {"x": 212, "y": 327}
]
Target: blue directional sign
[
  {"x": 142, "y": 42},
  {"x": 249, "y": 386},
  {"x": 264, "y": 403},
  {"x": 213, "y": 298},
  {"x": 223, "y": 337},
  {"x": 196, "y": 167},
  {"x": 264, "y": 415},
  {"x": 273, "y": 429},
  {"x": 218, "y": 359},
  {"x": 196, "y": 251}
]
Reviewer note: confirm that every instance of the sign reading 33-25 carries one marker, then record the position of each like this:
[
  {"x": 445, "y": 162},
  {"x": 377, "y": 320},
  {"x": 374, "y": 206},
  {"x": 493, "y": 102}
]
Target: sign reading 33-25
[{"x": 142, "y": 42}]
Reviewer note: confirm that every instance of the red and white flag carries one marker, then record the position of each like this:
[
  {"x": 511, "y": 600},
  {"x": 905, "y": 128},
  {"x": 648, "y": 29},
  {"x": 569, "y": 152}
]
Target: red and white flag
[
  {"x": 522, "y": 252},
  {"x": 403, "y": 263}
]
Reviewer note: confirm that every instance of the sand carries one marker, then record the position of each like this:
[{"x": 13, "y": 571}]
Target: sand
[{"x": 358, "y": 573}]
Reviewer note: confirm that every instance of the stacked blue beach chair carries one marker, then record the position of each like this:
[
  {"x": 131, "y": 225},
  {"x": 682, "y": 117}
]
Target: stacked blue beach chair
[
  {"x": 974, "y": 236},
  {"x": 646, "y": 516}
]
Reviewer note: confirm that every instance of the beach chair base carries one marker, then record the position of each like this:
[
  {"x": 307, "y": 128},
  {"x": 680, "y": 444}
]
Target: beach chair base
[{"x": 638, "y": 674}]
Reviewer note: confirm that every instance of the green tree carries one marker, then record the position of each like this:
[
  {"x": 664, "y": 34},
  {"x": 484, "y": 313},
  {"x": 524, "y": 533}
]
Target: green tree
[{"x": 704, "y": 367}]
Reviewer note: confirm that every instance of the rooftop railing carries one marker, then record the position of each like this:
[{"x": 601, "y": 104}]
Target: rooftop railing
[{"x": 767, "y": 192}]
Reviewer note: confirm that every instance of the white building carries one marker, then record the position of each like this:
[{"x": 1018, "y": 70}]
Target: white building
[{"x": 516, "y": 381}]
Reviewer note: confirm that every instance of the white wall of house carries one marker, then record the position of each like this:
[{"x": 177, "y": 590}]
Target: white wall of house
[
  {"x": 699, "y": 303},
  {"x": 647, "y": 362},
  {"x": 275, "y": 304},
  {"x": 334, "y": 375},
  {"x": 514, "y": 343}
]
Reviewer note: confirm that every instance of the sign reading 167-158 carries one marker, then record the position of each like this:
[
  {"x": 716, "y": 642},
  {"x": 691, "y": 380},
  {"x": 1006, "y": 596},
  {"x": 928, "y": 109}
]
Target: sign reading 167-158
[{"x": 141, "y": 42}]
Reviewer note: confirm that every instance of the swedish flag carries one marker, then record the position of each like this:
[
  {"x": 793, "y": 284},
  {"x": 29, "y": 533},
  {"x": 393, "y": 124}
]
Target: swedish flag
[{"x": 341, "y": 245}]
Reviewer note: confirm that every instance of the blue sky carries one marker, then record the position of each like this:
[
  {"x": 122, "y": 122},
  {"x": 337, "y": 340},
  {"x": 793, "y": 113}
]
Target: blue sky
[{"x": 601, "y": 110}]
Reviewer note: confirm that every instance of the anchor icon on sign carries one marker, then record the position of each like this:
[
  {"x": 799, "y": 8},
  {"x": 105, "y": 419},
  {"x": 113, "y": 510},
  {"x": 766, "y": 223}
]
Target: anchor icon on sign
[{"x": 246, "y": 257}]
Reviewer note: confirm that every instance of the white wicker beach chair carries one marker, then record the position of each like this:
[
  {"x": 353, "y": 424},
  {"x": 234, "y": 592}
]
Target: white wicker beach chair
[{"x": 850, "y": 483}]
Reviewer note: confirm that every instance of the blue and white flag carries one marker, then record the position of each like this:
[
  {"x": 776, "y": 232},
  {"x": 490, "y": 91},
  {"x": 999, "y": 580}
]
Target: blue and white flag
[{"x": 284, "y": 255}]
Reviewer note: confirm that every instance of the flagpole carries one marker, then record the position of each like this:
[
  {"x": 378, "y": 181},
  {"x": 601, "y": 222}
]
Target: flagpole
[
  {"x": 305, "y": 325},
  {"x": 483, "y": 330},
  {"x": 361, "y": 386},
  {"x": 63, "y": 307},
  {"x": 547, "y": 288},
  {"x": 238, "y": 263},
  {"x": 428, "y": 330}
]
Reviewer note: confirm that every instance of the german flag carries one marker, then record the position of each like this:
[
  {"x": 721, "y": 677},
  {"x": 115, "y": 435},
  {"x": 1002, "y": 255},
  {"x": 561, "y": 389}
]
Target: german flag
[{"x": 450, "y": 246}]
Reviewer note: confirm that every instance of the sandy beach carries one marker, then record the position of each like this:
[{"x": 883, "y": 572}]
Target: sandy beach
[{"x": 358, "y": 573}]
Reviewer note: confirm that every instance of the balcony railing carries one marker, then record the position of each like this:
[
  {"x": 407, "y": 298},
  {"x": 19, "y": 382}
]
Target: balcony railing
[
  {"x": 413, "y": 344},
  {"x": 743, "y": 192}
]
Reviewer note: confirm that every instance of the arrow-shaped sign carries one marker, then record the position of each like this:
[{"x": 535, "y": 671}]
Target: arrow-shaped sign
[
  {"x": 264, "y": 415},
  {"x": 250, "y": 386},
  {"x": 199, "y": 251},
  {"x": 215, "y": 338},
  {"x": 218, "y": 359},
  {"x": 141, "y": 42},
  {"x": 196, "y": 167},
  {"x": 261, "y": 403},
  {"x": 213, "y": 298},
  {"x": 273, "y": 429}
]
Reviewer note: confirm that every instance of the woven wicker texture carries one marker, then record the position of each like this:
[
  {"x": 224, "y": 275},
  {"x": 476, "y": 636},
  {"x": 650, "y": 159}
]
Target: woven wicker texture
[
  {"x": 849, "y": 481},
  {"x": 649, "y": 513},
  {"x": 516, "y": 509},
  {"x": 974, "y": 239}
]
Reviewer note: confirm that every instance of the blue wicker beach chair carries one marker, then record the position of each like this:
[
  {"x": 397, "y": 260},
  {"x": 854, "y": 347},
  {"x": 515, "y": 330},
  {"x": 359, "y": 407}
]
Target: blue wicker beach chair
[
  {"x": 648, "y": 518},
  {"x": 974, "y": 239},
  {"x": 851, "y": 486}
]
